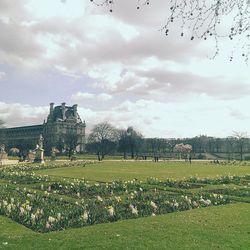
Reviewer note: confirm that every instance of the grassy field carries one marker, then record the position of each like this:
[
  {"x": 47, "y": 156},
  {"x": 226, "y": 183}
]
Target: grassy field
[
  {"x": 225, "y": 227},
  {"x": 121, "y": 170},
  {"x": 213, "y": 227}
]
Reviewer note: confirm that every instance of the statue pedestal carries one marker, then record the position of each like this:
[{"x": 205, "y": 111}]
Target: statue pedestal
[
  {"x": 31, "y": 156},
  {"x": 39, "y": 156},
  {"x": 3, "y": 156}
]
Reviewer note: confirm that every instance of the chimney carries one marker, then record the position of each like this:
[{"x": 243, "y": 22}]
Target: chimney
[
  {"x": 75, "y": 110},
  {"x": 63, "y": 111},
  {"x": 51, "y": 107}
]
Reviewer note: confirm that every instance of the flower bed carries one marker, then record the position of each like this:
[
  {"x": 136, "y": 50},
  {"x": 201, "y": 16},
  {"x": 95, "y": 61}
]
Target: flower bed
[
  {"x": 82, "y": 188},
  {"x": 174, "y": 184},
  {"x": 44, "y": 213},
  {"x": 22, "y": 176}
]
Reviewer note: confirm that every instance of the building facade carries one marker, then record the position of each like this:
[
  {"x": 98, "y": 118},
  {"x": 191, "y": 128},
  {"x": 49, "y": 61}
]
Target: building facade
[{"x": 63, "y": 130}]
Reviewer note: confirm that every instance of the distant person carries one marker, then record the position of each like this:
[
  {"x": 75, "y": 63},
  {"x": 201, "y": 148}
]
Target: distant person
[{"x": 190, "y": 159}]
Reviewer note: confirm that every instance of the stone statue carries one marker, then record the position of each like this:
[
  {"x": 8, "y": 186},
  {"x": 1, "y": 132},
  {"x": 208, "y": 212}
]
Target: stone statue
[
  {"x": 53, "y": 154},
  {"x": 39, "y": 151},
  {"x": 3, "y": 154},
  {"x": 40, "y": 142},
  {"x": 2, "y": 148}
]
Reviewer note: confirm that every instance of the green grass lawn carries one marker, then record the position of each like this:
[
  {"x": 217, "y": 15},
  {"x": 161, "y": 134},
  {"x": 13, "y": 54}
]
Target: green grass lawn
[
  {"x": 120, "y": 170},
  {"x": 213, "y": 227},
  {"x": 224, "y": 227}
]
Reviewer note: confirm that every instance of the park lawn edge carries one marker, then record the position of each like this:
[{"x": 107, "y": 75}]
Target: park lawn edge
[{"x": 221, "y": 227}]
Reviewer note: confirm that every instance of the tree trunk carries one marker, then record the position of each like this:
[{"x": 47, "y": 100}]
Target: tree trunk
[{"x": 98, "y": 155}]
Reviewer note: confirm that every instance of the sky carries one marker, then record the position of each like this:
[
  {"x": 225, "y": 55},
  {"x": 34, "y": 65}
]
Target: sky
[{"x": 119, "y": 68}]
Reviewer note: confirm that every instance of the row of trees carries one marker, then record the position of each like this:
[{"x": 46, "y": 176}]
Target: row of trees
[{"x": 105, "y": 139}]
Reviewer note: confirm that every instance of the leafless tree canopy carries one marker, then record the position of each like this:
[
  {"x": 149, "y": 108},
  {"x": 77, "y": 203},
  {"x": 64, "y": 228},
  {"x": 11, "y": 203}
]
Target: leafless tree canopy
[
  {"x": 206, "y": 19},
  {"x": 103, "y": 131}
]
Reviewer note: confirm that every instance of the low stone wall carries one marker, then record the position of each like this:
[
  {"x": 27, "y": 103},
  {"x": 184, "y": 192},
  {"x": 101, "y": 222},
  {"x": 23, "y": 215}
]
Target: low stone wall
[{"x": 8, "y": 162}]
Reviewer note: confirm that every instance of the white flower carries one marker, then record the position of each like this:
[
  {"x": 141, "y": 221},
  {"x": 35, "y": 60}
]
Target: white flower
[
  {"x": 47, "y": 225},
  {"x": 85, "y": 216},
  {"x": 207, "y": 202},
  {"x": 28, "y": 208},
  {"x": 118, "y": 198},
  {"x": 22, "y": 210},
  {"x": 111, "y": 211},
  {"x": 99, "y": 198},
  {"x": 133, "y": 209},
  {"x": 33, "y": 217},
  {"x": 51, "y": 219},
  {"x": 153, "y": 214},
  {"x": 175, "y": 204},
  {"x": 195, "y": 204},
  {"x": 9, "y": 208},
  {"x": 59, "y": 216},
  {"x": 153, "y": 205}
]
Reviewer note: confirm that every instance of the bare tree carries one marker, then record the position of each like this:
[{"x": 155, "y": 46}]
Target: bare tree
[
  {"x": 230, "y": 144},
  {"x": 205, "y": 19},
  {"x": 240, "y": 138},
  {"x": 71, "y": 141},
  {"x": 102, "y": 140},
  {"x": 134, "y": 140}
]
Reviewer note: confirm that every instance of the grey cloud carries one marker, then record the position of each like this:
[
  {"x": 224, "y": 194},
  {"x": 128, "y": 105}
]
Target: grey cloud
[
  {"x": 149, "y": 16},
  {"x": 13, "y": 9},
  {"x": 110, "y": 46},
  {"x": 185, "y": 82},
  {"x": 238, "y": 114},
  {"x": 20, "y": 42},
  {"x": 16, "y": 114},
  {"x": 164, "y": 83},
  {"x": 17, "y": 43}
]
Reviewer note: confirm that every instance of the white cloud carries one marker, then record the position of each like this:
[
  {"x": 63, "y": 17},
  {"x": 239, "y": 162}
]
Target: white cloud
[
  {"x": 2, "y": 75},
  {"x": 84, "y": 96},
  {"x": 132, "y": 73},
  {"x": 79, "y": 96},
  {"x": 17, "y": 114}
]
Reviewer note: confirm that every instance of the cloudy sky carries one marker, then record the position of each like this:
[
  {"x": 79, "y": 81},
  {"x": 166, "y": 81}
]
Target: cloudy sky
[{"x": 118, "y": 67}]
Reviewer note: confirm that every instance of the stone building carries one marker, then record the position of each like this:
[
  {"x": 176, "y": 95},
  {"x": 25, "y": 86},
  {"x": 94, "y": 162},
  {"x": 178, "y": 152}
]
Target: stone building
[{"x": 63, "y": 129}]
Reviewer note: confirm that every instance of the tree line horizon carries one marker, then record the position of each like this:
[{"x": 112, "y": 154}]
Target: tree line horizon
[{"x": 104, "y": 139}]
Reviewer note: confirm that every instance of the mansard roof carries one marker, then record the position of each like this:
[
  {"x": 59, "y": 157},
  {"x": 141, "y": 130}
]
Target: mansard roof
[{"x": 57, "y": 114}]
